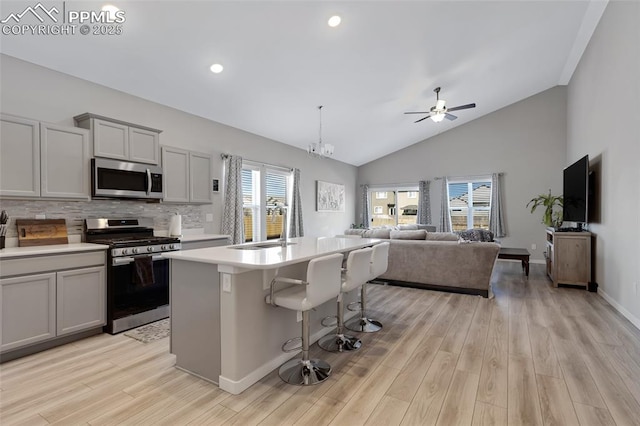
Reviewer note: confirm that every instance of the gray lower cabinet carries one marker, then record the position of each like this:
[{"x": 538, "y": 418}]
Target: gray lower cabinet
[
  {"x": 28, "y": 310},
  {"x": 81, "y": 300},
  {"x": 43, "y": 160},
  {"x": 187, "y": 176},
  {"x": 43, "y": 306}
]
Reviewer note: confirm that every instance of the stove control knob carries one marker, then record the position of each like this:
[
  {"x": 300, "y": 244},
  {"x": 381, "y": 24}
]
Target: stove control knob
[
  {"x": 149, "y": 249},
  {"x": 134, "y": 250},
  {"x": 125, "y": 251},
  {"x": 163, "y": 247},
  {"x": 172, "y": 246}
]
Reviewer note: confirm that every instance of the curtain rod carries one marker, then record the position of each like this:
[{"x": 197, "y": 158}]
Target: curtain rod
[
  {"x": 374, "y": 185},
  {"x": 274, "y": 166},
  {"x": 466, "y": 176}
]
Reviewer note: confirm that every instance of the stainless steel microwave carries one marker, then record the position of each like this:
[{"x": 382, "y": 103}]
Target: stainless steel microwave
[{"x": 123, "y": 179}]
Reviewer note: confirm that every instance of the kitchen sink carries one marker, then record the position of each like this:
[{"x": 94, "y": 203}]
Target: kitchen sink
[{"x": 259, "y": 246}]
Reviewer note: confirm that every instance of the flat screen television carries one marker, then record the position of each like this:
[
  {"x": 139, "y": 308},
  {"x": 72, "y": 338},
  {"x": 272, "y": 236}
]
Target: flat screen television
[{"x": 575, "y": 191}]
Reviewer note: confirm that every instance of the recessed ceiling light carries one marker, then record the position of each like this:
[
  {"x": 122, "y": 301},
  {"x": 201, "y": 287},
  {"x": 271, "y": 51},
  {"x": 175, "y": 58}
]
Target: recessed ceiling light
[
  {"x": 334, "y": 21},
  {"x": 110, "y": 8},
  {"x": 216, "y": 68}
]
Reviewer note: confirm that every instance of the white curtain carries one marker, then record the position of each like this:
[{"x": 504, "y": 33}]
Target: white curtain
[
  {"x": 232, "y": 217},
  {"x": 296, "y": 228},
  {"x": 445, "y": 216},
  {"x": 366, "y": 220},
  {"x": 424, "y": 205},
  {"x": 496, "y": 217}
]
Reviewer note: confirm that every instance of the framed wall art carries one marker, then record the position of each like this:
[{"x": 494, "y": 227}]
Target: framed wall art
[{"x": 329, "y": 197}]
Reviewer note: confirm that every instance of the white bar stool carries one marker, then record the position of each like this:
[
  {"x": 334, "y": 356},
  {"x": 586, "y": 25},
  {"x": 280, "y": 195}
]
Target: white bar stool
[
  {"x": 379, "y": 265},
  {"x": 322, "y": 284},
  {"x": 355, "y": 275}
]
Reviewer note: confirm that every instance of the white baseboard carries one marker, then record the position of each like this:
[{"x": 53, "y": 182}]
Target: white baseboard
[
  {"x": 236, "y": 387},
  {"x": 618, "y": 307}
]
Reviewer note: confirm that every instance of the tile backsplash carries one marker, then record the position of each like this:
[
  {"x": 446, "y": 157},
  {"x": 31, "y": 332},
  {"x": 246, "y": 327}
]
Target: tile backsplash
[{"x": 76, "y": 211}]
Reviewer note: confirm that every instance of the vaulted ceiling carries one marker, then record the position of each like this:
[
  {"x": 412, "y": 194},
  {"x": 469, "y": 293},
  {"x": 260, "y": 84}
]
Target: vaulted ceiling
[{"x": 281, "y": 61}]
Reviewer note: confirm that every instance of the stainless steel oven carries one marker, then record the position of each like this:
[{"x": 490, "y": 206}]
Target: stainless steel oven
[
  {"x": 123, "y": 179},
  {"x": 137, "y": 271}
]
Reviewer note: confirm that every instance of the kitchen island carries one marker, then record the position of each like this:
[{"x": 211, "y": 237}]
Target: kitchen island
[{"x": 221, "y": 328}]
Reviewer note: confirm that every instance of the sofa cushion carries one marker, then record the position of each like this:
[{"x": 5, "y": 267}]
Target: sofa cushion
[
  {"x": 428, "y": 228},
  {"x": 442, "y": 236},
  {"x": 377, "y": 233},
  {"x": 418, "y": 234},
  {"x": 357, "y": 231},
  {"x": 407, "y": 227}
]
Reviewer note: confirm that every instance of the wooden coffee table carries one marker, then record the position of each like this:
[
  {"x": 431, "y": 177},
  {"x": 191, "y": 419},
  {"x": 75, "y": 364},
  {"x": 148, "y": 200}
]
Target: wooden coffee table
[{"x": 516, "y": 254}]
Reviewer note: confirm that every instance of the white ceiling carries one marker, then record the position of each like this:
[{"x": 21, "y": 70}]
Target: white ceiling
[{"x": 282, "y": 60}]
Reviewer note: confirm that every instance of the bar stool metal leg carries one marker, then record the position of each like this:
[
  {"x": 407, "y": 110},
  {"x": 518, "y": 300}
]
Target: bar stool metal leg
[
  {"x": 339, "y": 342},
  {"x": 305, "y": 371},
  {"x": 363, "y": 324}
]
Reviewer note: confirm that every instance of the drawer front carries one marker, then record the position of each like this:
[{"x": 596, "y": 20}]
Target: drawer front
[{"x": 37, "y": 264}]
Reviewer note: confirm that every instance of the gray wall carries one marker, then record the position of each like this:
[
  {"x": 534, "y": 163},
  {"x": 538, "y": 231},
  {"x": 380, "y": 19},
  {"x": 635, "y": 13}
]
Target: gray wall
[
  {"x": 525, "y": 141},
  {"x": 603, "y": 106},
  {"x": 35, "y": 92}
]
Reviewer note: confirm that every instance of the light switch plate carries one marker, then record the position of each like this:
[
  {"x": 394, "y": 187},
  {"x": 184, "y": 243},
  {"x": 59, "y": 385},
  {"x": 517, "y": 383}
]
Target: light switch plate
[{"x": 209, "y": 217}]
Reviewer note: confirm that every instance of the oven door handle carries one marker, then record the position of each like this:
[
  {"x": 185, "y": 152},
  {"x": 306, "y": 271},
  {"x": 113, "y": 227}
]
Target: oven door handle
[{"x": 118, "y": 261}]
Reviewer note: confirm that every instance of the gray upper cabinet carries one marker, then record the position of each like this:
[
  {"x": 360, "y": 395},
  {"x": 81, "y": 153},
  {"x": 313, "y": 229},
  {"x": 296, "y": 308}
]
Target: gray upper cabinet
[
  {"x": 19, "y": 157},
  {"x": 187, "y": 176},
  {"x": 121, "y": 140},
  {"x": 200, "y": 177},
  {"x": 43, "y": 160},
  {"x": 64, "y": 161},
  {"x": 110, "y": 140}
]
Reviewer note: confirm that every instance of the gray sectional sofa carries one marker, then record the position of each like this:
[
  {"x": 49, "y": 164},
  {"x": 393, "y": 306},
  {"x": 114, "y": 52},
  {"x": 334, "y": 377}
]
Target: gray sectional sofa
[{"x": 436, "y": 260}]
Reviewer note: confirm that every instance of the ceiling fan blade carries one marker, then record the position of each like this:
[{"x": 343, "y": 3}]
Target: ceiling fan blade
[
  {"x": 417, "y": 112},
  {"x": 450, "y": 116},
  {"x": 458, "y": 108},
  {"x": 423, "y": 118}
]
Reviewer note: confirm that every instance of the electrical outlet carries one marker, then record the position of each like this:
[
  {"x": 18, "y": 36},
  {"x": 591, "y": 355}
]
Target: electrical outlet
[
  {"x": 226, "y": 283},
  {"x": 41, "y": 216},
  {"x": 209, "y": 217},
  {"x": 534, "y": 246},
  {"x": 298, "y": 316}
]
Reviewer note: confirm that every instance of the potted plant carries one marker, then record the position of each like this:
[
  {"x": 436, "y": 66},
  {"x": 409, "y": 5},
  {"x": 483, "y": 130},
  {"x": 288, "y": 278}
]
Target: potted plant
[{"x": 549, "y": 217}]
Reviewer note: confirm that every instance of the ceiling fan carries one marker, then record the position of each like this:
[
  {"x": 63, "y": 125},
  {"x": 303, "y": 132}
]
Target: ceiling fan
[{"x": 439, "y": 112}]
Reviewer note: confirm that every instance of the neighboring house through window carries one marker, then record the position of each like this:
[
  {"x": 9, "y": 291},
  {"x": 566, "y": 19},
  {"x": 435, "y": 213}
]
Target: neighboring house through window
[
  {"x": 265, "y": 189},
  {"x": 469, "y": 203},
  {"x": 393, "y": 206}
]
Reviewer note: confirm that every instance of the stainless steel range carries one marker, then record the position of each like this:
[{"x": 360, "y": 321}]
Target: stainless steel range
[{"x": 137, "y": 272}]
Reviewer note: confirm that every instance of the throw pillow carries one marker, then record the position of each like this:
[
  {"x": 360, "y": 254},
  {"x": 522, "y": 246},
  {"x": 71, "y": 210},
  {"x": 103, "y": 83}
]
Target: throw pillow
[
  {"x": 418, "y": 234},
  {"x": 408, "y": 227},
  {"x": 441, "y": 236}
]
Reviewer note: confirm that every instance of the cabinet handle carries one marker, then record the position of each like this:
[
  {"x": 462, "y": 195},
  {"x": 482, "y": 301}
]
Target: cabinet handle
[{"x": 148, "y": 181}]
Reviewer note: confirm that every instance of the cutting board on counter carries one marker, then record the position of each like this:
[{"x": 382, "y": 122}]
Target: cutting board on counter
[{"x": 41, "y": 232}]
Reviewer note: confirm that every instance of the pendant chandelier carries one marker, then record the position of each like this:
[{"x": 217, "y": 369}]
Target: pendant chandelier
[{"x": 320, "y": 150}]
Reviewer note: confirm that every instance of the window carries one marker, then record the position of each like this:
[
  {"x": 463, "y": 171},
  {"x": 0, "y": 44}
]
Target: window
[
  {"x": 395, "y": 206},
  {"x": 469, "y": 204},
  {"x": 265, "y": 190},
  {"x": 381, "y": 195}
]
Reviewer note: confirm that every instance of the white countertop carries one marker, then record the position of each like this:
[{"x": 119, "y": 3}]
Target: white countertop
[
  {"x": 11, "y": 252},
  {"x": 202, "y": 237},
  {"x": 300, "y": 249}
]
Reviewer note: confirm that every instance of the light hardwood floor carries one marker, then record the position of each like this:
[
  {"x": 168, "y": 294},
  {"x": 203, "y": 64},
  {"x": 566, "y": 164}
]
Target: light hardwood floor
[{"x": 533, "y": 355}]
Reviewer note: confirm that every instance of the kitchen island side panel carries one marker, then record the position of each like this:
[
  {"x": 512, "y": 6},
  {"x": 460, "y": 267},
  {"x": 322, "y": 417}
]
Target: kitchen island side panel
[{"x": 195, "y": 318}]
